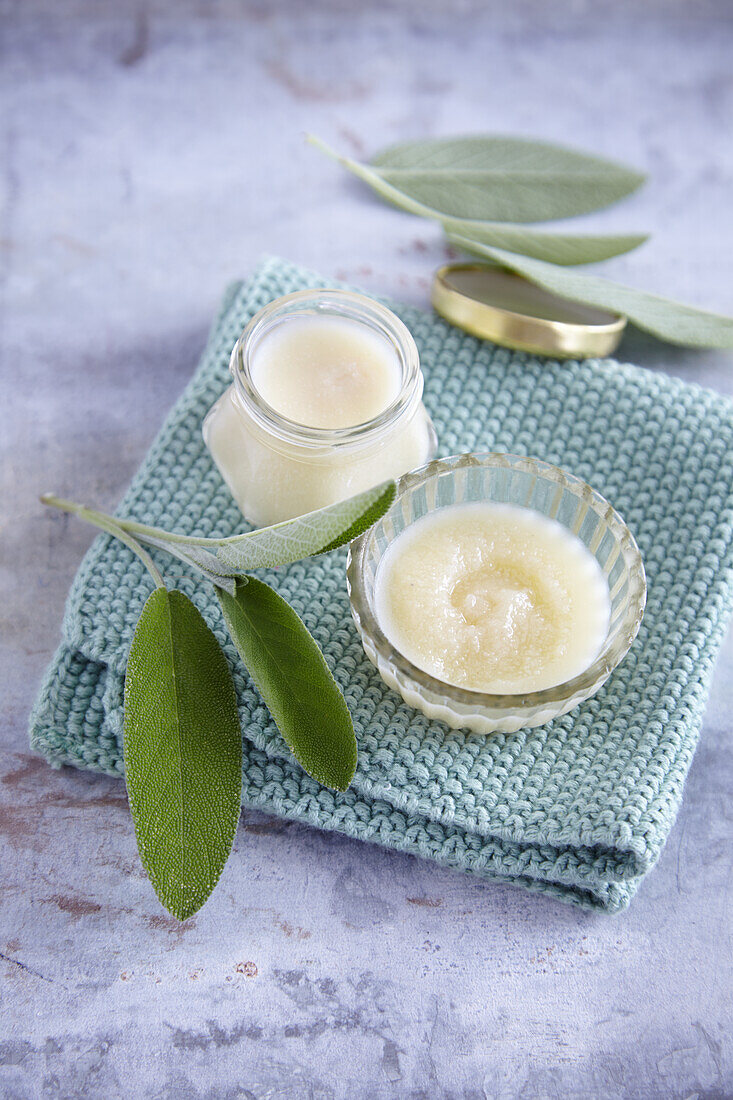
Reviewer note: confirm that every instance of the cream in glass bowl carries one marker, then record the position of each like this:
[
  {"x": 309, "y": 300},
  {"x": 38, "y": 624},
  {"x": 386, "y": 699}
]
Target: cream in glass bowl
[
  {"x": 498, "y": 592},
  {"x": 326, "y": 402}
]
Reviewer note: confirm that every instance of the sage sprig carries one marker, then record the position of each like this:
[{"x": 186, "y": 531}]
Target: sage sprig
[
  {"x": 182, "y": 738},
  {"x": 539, "y": 193},
  {"x": 475, "y": 186},
  {"x": 219, "y": 560}
]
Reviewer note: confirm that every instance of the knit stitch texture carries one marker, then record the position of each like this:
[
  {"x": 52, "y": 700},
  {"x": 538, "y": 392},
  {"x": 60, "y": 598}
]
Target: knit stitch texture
[{"x": 579, "y": 808}]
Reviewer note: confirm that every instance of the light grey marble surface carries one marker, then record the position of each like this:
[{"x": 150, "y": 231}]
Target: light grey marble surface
[{"x": 151, "y": 153}]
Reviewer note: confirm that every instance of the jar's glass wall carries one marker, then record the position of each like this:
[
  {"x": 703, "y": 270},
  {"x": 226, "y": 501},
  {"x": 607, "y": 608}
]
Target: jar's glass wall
[{"x": 277, "y": 469}]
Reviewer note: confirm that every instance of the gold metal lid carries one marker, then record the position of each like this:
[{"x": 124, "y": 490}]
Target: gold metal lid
[{"x": 498, "y": 305}]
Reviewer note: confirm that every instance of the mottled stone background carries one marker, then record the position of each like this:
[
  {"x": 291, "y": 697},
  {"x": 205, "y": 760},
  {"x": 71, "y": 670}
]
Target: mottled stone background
[{"x": 150, "y": 152}]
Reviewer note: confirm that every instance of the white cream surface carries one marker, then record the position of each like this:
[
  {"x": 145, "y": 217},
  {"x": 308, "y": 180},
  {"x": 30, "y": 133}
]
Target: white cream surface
[
  {"x": 493, "y": 597},
  {"x": 326, "y": 371}
]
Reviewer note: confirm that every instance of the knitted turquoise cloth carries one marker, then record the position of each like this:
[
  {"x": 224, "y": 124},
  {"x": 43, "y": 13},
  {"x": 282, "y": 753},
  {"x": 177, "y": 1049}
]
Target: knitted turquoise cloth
[{"x": 579, "y": 808}]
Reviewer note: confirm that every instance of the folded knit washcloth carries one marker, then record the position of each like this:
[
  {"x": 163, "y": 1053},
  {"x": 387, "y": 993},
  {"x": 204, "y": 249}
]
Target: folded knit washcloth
[{"x": 579, "y": 808}]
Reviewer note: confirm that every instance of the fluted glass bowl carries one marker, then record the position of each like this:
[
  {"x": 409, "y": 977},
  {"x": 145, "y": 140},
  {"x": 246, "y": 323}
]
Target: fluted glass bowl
[{"x": 531, "y": 484}]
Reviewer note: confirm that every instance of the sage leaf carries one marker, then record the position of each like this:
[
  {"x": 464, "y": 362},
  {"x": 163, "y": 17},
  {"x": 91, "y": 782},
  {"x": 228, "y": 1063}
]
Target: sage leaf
[
  {"x": 488, "y": 178},
  {"x": 292, "y": 677},
  {"x": 501, "y": 178},
  {"x": 556, "y": 248},
  {"x": 314, "y": 533},
  {"x": 182, "y": 751},
  {"x": 672, "y": 321}
]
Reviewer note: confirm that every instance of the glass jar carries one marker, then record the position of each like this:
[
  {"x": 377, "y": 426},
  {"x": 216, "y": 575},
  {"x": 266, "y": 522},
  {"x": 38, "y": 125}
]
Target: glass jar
[
  {"x": 505, "y": 479},
  {"x": 277, "y": 468}
]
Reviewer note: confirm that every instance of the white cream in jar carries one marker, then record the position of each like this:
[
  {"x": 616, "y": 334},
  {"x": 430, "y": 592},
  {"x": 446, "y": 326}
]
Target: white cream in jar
[
  {"x": 494, "y": 598},
  {"x": 326, "y": 402}
]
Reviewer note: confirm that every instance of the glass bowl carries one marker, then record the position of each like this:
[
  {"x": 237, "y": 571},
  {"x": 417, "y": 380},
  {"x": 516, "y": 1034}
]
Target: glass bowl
[{"x": 531, "y": 484}]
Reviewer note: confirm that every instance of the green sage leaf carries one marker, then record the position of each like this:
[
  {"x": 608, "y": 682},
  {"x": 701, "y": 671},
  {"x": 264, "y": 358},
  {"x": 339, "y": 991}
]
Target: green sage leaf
[
  {"x": 556, "y": 248},
  {"x": 292, "y": 676},
  {"x": 182, "y": 750},
  {"x": 500, "y": 178},
  {"x": 672, "y": 321},
  {"x": 314, "y": 533},
  {"x": 492, "y": 179}
]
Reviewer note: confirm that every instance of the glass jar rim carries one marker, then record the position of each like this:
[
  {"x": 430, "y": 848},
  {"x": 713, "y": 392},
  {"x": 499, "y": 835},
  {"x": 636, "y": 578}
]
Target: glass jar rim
[{"x": 334, "y": 303}]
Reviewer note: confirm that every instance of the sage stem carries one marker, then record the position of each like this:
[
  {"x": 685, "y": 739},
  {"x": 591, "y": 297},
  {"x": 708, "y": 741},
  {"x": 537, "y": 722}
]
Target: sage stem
[{"x": 108, "y": 524}]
